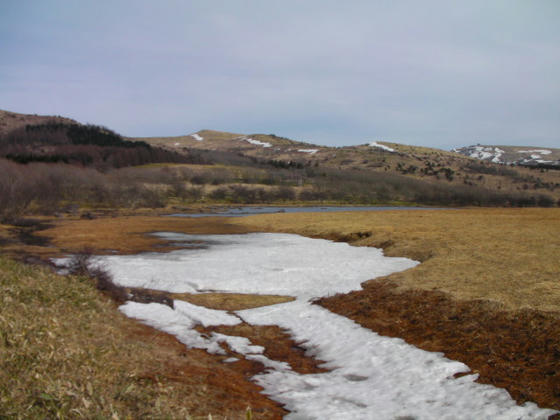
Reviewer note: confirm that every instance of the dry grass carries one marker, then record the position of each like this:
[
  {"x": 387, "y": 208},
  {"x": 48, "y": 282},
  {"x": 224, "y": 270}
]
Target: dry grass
[
  {"x": 128, "y": 234},
  {"x": 66, "y": 352},
  {"x": 231, "y": 301},
  {"x": 507, "y": 256}
]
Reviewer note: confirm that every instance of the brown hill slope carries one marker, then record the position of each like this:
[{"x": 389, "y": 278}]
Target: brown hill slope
[{"x": 431, "y": 166}]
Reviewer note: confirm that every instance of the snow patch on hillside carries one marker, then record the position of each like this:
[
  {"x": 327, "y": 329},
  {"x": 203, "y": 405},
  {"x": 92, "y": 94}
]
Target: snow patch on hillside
[
  {"x": 257, "y": 142},
  {"x": 381, "y": 146},
  {"x": 539, "y": 151},
  {"x": 310, "y": 151},
  {"x": 197, "y": 137}
]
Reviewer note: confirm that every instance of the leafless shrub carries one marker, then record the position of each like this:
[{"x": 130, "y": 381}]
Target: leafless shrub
[{"x": 80, "y": 264}]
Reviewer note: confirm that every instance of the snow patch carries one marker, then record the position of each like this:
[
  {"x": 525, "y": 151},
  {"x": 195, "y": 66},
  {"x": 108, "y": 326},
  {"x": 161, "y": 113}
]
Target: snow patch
[
  {"x": 539, "y": 151},
  {"x": 381, "y": 146},
  {"x": 257, "y": 142},
  {"x": 264, "y": 263},
  {"x": 310, "y": 151},
  {"x": 197, "y": 137},
  {"x": 374, "y": 377}
]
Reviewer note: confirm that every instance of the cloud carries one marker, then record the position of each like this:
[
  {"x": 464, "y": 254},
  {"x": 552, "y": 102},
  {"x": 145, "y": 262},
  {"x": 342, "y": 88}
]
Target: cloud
[{"x": 431, "y": 73}]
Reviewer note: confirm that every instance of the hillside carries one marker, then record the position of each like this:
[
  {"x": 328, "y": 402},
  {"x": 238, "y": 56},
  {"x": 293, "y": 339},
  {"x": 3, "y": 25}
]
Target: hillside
[
  {"x": 40, "y": 139},
  {"x": 540, "y": 157},
  {"x": 57, "y": 164},
  {"x": 422, "y": 167},
  {"x": 10, "y": 121}
]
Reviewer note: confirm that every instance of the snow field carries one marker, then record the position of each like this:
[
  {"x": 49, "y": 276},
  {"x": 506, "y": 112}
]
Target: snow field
[
  {"x": 197, "y": 137},
  {"x": 371, "y": 377}
]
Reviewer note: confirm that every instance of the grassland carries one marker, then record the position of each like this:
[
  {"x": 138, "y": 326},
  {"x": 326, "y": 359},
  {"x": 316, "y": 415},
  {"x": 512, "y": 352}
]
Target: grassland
[{"x": 486, "y": 293}]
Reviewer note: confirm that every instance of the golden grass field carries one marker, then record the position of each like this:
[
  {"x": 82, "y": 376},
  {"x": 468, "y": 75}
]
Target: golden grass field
[{"x": 59, "y": 334}]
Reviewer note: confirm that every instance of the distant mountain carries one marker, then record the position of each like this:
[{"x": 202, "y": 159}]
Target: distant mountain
[{"x": 541, "y": 157}]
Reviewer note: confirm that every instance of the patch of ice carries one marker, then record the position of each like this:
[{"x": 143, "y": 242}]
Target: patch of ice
[
  {"x": 381, "y": 146},
  {"x": 257, "y": 142},
  {"x": 197, "y": 137},
  {"x": 310, "y": 151}
]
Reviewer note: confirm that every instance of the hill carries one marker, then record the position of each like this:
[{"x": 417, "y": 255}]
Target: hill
[
  {"x": 539, "y": 157},
  {"x": 27, "y": 139},
  {"x": 53, "y": 164},
  {"x": 433, "y": 173}
]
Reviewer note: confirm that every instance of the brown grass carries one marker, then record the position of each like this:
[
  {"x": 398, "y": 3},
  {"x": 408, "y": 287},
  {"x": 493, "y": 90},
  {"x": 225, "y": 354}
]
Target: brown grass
[
  {"x": 128, "y": 234},
  {"x": 230, "y": 301}
]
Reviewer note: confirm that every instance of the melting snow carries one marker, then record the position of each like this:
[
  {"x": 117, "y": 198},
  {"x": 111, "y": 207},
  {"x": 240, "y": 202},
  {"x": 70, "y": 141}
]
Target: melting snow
[
  {"x": 310, "y": 151},
  {"x": 257, "y": 142},
  {"x": 491, "y": 153},
  {"x": 197, "y": 137},
  {"x": 381, "y": 146},
  {"x": 371, "y": 377}
]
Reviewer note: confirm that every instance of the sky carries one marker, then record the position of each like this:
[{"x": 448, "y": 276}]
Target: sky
[{"x": 437, "y": 73}]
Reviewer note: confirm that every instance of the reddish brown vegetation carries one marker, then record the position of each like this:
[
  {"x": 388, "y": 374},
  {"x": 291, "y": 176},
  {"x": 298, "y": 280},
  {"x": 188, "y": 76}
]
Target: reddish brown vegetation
[{"x": 223, "y": 388}]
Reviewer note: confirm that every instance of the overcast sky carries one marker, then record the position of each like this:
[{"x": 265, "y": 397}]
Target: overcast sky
[{"x": 435, "y": 73}]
